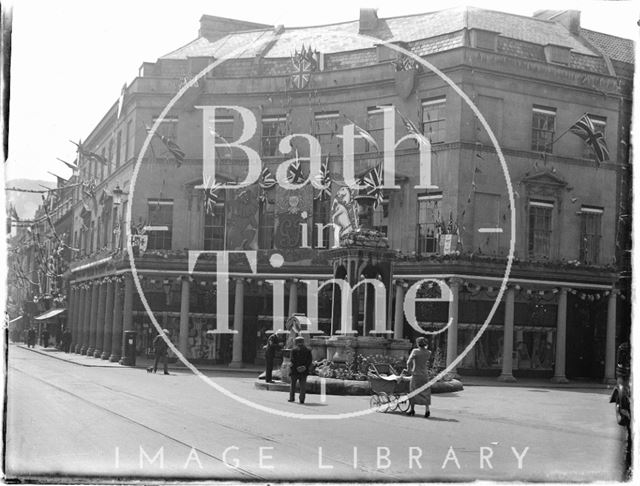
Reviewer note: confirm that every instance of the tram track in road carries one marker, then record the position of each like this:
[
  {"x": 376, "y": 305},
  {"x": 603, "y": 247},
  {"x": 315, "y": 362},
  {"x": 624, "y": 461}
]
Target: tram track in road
[
  {"x": 246, "y": 474},
  {"x": 235, "y": 428}
]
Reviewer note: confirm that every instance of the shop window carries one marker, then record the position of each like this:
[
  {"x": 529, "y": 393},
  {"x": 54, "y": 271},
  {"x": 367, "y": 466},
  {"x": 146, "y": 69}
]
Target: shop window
[
  {"x": 543, "y": 128},
  {"x": 214, "y": 224},
  {"x": 273, "y": 130},
  {"x": 428, "y": 215},
  {"x": 160, "y": 224},
  {"x": 540, "y": 228},
  {"x": 434, "y": 119},
  {"x": 267, "y": 224},
  {"x": 590, "y": 234}
]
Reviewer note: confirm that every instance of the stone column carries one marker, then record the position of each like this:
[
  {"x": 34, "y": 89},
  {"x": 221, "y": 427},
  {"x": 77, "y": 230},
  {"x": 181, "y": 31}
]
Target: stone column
[
  {"x": 87, "y": 318},
  {"x": 452, "y": 332},
  {"x": 238, "y": 322},
  {"x": 184, "y": 316},
  {"x": 116, "y": 325},
  {"x": 107, "y": 340},
  {"x": 93, "y": 318},
  {"x": 561, "y": 339},
  {"x": 398, "y": 321},
  {"x": 77, "y": 337},
  {"x": 507, "y": 340},
  {"x": 102, "y": 297},
  {"x": 293, "y": 297},
  {"x": 610, "y": 350},
  {"x": 127, "y": 315},
  {"x": 71, "y": 314}
]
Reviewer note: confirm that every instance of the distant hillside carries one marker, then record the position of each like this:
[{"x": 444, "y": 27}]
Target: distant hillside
[{"x": 26, "y": 203}]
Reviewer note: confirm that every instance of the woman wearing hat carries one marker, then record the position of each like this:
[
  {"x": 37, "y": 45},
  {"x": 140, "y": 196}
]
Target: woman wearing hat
[
  {"x": 300, "y": 364},
  {"x": 419, "y": 359}
]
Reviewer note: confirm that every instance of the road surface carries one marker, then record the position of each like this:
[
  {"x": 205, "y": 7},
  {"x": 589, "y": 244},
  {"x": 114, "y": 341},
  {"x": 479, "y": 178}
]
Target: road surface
[{"x": 77, "y": 422}]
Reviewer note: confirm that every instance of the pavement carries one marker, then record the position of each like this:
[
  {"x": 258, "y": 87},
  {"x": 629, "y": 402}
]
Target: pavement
[
  {"x": 73, "y": 423},
  {"x": 143, "y": 362}
]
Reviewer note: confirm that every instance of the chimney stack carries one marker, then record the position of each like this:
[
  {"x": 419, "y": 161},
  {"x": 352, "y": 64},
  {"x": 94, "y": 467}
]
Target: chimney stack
[
  {"x": 368, "y": 19},
  {"x": 570, "y": 19}
]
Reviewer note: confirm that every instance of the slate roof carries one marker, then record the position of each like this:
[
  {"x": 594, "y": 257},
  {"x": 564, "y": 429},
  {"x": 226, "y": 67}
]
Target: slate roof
[
  {"x": 406, "y": 28},
  {"x": 616, "y": 48}
]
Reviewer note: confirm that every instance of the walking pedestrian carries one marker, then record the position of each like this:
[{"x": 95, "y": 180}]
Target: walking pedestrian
[
  {"x": 300, "y": 365},
  {"x": 160, "y": 350},
  {"x": 31, "y": 337},
  {"x": 269, "y": 355},
  {"x": 419, "y": 359}
]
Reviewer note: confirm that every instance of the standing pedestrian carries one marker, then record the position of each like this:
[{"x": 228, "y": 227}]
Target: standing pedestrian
[
  {"x": 269, "y": 355},
  {"x": 31, "y": 337},
  {"x": 66, "y": 340},
  {"x": 160, "y": 350},
  {"x": 45, "y": 338},
  {"x": 300, "y": 365},
  {"x": 419, "y": 359}
]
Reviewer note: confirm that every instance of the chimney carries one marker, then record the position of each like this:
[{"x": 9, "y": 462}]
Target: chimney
[
  {"x": 570, "y": 19},
  {"x": 368, "y": 19}
]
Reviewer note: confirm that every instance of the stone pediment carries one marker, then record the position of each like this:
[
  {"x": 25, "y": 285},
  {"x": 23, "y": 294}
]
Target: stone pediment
[{"x": 544, "y": 178}]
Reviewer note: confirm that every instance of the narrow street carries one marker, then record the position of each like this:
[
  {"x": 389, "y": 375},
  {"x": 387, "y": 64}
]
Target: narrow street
[{"x": 74, "y": 421}]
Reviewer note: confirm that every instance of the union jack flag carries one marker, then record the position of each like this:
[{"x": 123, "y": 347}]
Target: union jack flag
[
  {"x": 585, "y": 129},
  {"x": 372, "y": 181},
  {"x": 267, "y": 181},
  {"x": 294, "y": 172},
  {"x": 323, "y": 180},
  {"x": 304, "y": 63}
]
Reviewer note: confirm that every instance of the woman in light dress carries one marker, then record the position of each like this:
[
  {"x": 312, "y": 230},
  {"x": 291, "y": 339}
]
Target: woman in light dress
[{"x": 417, "y": 363}]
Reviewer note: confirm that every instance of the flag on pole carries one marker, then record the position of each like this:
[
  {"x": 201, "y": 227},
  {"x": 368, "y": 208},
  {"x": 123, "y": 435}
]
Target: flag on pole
[
  {"x": 171, "y": 147},
  {"x": 413, "y": 129},
  {"x": 372, "y": 181},
  {"x": 71, "y": 166},
  {"x": 83, "y": 152},
  {"x": 324, "y": 181},
  {"x": 267, "y": 181},
  {"x": 585, "y": 129},
  {"x": 364, "y": 134},
  {"x": 211, "y": 199},
  {"x": 294, "y": 172}
]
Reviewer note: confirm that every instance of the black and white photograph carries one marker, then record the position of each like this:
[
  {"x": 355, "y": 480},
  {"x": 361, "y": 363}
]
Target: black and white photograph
[{"x": 367, "y": 242}]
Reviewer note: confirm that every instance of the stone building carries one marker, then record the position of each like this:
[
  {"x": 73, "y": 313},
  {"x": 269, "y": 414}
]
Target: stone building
[{"x": 531, "y": 78}]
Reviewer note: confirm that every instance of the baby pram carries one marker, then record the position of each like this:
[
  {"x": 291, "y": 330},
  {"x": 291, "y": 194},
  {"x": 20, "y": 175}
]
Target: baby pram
[{"x": 389, "y": 388}]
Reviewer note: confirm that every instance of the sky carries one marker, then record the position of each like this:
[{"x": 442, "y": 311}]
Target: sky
[{"x": 70, "y": 58}]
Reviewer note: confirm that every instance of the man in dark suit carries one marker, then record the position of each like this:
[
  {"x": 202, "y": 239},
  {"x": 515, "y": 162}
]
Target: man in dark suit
[{"x": 300, "y": 366}]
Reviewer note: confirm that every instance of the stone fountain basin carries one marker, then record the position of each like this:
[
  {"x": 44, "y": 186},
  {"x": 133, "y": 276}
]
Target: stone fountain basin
[{"x": 334, "y": 386}]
